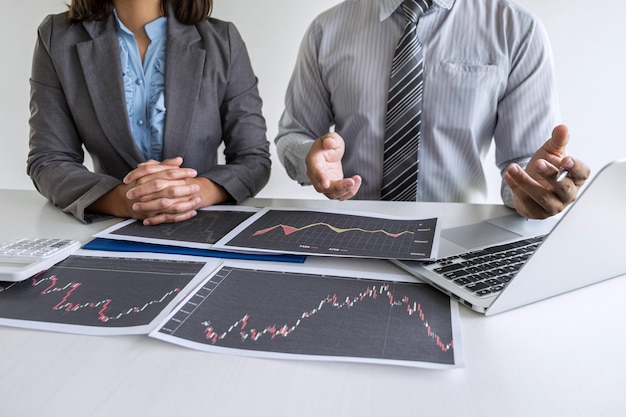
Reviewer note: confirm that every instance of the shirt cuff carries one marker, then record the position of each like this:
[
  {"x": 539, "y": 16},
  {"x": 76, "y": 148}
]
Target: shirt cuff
[
  {"x": 505, "y": 191},
  {"x": 507, "y": 195},
  {"x": 292, "y": 152}
]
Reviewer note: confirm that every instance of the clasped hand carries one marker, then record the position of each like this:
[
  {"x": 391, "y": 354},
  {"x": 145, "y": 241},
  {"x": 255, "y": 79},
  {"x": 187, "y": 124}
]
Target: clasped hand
[{"x": 162, "y": 192}]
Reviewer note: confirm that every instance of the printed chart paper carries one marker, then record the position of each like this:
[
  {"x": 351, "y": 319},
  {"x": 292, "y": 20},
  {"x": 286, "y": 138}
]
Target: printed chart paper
[
  {"x": 335, "y": 233},
  {"x": 200, "y": 232},
  {"x": 305, "y": 314},
  {"x": 102, "y": 293}
]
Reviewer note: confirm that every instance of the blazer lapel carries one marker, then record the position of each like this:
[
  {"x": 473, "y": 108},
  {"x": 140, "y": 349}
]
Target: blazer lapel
[
  {"x": 100, "y": 63},
  {"x": 184, "y": 68}
]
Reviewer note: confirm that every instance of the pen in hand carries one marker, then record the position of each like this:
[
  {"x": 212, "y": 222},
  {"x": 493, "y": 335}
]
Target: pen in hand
[{"x": 561, "y": 175}]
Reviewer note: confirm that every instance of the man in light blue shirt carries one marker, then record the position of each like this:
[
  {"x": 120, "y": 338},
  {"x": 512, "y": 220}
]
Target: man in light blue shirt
[{"x": 488, "y": 76}]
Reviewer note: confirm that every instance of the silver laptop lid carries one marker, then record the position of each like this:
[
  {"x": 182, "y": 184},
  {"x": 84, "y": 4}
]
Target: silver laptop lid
[{"x": 586, "y": 246}]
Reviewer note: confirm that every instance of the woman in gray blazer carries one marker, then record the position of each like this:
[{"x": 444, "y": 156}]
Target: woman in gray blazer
[{"x": 150, "y": 89}]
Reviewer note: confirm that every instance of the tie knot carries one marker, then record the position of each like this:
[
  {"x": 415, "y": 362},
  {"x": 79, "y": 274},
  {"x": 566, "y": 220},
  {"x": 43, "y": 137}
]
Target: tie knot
[{"x": 413, "y": 9}]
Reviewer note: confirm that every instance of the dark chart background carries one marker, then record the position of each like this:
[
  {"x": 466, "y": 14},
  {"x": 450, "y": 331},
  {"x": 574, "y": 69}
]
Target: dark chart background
[
  {"x": 317, "y": 315},
  {"x": 97, "y": 291},
  {"x": 338, "y": 234},
  {"x": 206, "y": 227}
]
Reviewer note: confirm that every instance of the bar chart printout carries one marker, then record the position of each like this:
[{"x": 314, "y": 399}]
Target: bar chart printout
[
  {"x": 335, "y": 234},
  {"x": 266, "y": 313},
  {"x": 102, "y": 295}
]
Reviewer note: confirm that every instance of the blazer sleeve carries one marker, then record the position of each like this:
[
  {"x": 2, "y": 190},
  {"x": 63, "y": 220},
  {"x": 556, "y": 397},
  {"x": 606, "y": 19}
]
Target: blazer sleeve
[
  {"x": 246, "y": 148},
  {"x": 56, "y": 156}
]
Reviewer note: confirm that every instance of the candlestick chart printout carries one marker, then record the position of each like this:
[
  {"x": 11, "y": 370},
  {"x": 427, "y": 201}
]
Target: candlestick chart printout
[
  {"x": 201, "y": 231},
  {"x": 100, "y": 295},
  {"x": 335, "y": 234},
  {"x": 319, "y": 317}
]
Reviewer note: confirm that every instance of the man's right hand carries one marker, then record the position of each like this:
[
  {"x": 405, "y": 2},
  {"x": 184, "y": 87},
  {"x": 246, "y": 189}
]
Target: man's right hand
[{"x": 325, "y": 171}]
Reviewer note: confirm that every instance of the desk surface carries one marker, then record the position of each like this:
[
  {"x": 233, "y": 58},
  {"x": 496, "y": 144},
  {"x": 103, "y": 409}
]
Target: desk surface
[{"x": 560, "y": 357}]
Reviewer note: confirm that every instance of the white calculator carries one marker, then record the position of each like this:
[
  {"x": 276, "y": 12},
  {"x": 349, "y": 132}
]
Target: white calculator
[{"x": 25, "y": 257}]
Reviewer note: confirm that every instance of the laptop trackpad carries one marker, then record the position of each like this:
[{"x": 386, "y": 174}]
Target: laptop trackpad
[{"x": 478, "y": 235}]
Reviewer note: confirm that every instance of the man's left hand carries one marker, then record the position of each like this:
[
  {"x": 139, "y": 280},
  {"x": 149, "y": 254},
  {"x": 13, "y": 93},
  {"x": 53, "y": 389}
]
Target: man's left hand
[{"x": 536, "y": 192}]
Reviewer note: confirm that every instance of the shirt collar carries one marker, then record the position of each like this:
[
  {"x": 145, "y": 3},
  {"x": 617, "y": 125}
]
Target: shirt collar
[
  {"x": 155, "y": 29},
  {"x": 387, "y": 7}
]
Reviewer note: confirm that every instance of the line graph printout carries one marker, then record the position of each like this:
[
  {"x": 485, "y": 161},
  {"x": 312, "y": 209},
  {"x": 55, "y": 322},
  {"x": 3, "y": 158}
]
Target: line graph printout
[
  {"x": 201, "y": 232},
  {"x": 335, "y": 233},
  {"x": 90, "y": 293},
  {"x": 304, "y": 315}
]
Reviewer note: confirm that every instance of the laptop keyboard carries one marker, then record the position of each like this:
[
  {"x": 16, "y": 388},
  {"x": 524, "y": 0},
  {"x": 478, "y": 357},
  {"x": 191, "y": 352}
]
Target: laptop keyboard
[{"x": 486, "y": 271}]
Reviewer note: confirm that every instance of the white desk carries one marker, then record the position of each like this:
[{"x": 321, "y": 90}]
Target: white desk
[{"x": 560, "y": 357}]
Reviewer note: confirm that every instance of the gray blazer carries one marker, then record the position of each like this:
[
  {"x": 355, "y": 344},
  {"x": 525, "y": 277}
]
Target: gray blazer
[{"x": 77, "y": 102}]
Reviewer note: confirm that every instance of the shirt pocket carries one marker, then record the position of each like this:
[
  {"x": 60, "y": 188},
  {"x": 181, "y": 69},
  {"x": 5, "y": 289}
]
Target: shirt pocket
[
  {"x": 463, "y": 94},
  {"x": 468, "y": 74}
]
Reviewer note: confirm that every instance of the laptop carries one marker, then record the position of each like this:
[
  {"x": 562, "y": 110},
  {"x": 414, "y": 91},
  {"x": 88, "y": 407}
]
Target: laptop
[{"x": 503, "y": 263}]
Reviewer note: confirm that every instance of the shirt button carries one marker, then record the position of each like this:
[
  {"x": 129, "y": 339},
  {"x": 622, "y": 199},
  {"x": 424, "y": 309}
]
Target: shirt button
[
  {"x": 140, "y": 122},
  {"x": 139, "y": 81}
]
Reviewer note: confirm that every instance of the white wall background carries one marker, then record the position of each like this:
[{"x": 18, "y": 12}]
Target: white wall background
[{"x": 587, "y": 38}]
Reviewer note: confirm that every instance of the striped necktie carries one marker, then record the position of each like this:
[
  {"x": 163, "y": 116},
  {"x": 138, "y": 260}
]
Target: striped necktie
[{"x": 404, "y": 110}]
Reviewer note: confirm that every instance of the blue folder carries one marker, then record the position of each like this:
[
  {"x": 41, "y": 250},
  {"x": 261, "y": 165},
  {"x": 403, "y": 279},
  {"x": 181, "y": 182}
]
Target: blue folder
[{"x": 129, "y": 246}]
